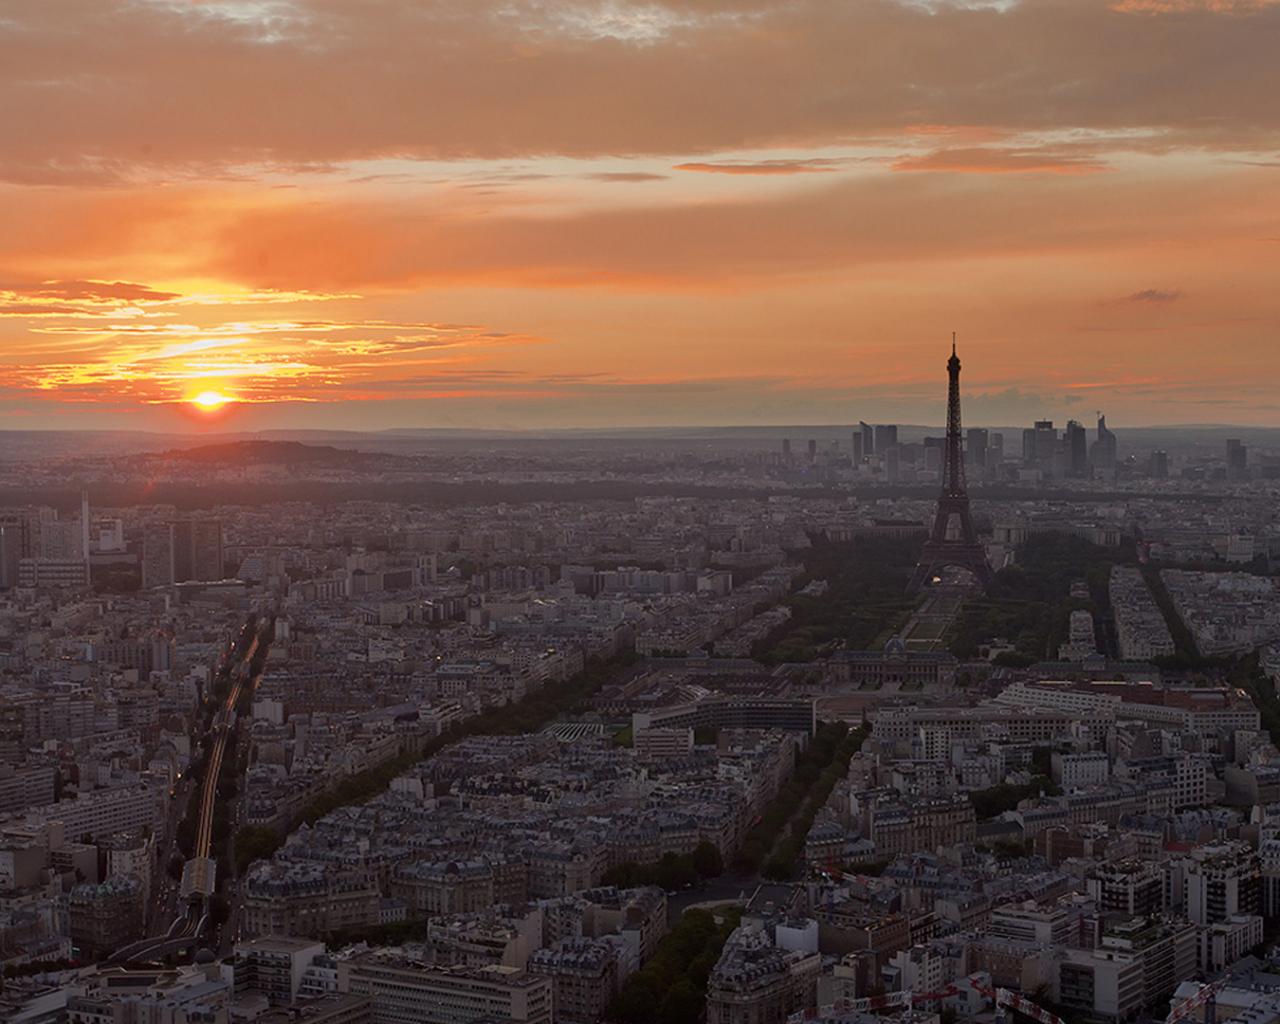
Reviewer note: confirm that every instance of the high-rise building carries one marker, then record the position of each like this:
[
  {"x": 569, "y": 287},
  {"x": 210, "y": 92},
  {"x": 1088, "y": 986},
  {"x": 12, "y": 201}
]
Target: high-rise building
[
  {"x": 976, "y": 452},
  {"x": 856, "y": 451},
  {"x": 868, "y": 438},
  {"x": 1102, "y": 455},
  {"x": 157, "y": 555},
  {"x": 786, "y": 449},
  {"x": 1028, "y": 446},
  {"x": 189, "y": 549},
  {"x": 1216, "y": 882},
  {"x": 60, "y": 539},
  {"x": 11, "y": 545},
  {"x": 1237, "y": 459},
  {"x": 197, "y": 550},
  {"x": 1046, "y": 442},
  {"x": 25, "y": 528},
  {"x": 995, "y": 454},
  {"x": 934, "y": 453},
  {"x": 813, "y": 451},
  {"x": 1160, "y": 465},
  {"x": 892, "y": 468},
  {"x": 1076, "y": 443}
]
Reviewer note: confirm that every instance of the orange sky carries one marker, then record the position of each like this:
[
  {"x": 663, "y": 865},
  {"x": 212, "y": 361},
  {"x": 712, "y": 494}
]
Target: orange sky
[{"x": 529, "y": 213}]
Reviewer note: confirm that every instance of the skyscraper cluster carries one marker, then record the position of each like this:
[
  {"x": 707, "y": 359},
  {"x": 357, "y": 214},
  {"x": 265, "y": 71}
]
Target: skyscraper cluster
[{"x": 1069, "y": 455}]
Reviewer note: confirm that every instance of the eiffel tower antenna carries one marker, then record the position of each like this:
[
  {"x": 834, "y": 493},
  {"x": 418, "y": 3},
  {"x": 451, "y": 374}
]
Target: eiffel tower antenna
[{"x": 948, "y": 548}]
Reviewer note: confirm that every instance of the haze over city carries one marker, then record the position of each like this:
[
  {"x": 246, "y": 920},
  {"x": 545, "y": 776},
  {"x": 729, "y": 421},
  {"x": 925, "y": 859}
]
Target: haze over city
[{"x": 658, "y": 512}]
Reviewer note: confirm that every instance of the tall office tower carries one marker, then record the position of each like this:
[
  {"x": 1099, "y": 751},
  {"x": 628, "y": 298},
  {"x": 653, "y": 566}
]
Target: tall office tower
[
  {"x": 953, "y": 541},
  {"x": 157, "y": 555},
  {"x": 11, "y": 538},
  {"x": 1077, "y": 450},
  {"x": 786, "y": 449},
  {"x": 1028, "y": 446},
  {"x": 1102, "y": 455},
  {"x": 892, "y": 463},
  {"x": 813, "y": 451},
  {"x": 976, "y": 451},
  {"x": 1160, "y": 465},
  {"x": 197, "y": 550},
  {"x": 1237, "y": 459},
  {"x": 934, "y": 455},
  {"x": 995, "y": 455},
  {"x": 60, "y": 539},
  {"x": 856, "y": 453},
  {"x": 1046, "y": 442},
  {"x": 868, "y": 439},
  {"x": 25, "y": 529},
  {"x": 886, "y": 436}
]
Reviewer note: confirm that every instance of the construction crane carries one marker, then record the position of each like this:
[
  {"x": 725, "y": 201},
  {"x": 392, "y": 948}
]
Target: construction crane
[
  {"x": 1014, "y": 1001},
  {"x": 1206, "y": 996},
  {"x": 1002, "y": 998},
  {"x": 894, "y": 1000}
]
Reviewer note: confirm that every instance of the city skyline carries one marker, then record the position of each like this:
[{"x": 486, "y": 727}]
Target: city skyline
[
  {"x": 239, "y": 216},
  {"x": 639, "y": 512}
]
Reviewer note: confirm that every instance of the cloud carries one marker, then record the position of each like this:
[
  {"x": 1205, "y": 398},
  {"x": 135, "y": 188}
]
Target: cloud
[
  {"x": 79, "y": 299},
  {"x": 762, "y": 167},
  {"x": 624, "y": 176},
  {"x": 121, "y": 93},
  {"x": 297, "y": 360},
  {"x": 992, "y": 160},
  {"x": 729, "y": 243},
  {"x": 97, "y": 291},
  {"x": 1156, "y": 296},
  {"x": 1191, "y": 6}
]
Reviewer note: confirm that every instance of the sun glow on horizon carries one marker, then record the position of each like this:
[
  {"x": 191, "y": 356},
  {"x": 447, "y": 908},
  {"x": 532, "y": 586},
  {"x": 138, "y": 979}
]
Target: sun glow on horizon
[{"x": 211, "y": 400}]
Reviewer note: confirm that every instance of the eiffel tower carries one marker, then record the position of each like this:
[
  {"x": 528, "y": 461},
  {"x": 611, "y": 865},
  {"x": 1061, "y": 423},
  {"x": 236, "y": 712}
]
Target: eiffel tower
[{"x": 953, "y": 543}]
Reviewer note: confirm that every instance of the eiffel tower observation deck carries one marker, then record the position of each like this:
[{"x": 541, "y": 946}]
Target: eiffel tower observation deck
[{"x": 953, "y": 542}]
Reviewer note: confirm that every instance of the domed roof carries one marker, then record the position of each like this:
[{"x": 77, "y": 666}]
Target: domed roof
[{"x": 205, "y": 956}]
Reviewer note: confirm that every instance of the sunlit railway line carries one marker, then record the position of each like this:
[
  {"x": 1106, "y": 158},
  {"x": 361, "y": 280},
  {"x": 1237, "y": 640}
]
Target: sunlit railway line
[{"x": 222, "y": 726}]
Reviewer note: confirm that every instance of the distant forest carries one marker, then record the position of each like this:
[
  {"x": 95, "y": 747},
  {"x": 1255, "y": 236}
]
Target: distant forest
[{"x": 444, "y": 494}]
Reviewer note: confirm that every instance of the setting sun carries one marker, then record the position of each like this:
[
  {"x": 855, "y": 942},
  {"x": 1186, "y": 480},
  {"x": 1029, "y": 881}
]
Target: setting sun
[{"x": 210, "y": 400}]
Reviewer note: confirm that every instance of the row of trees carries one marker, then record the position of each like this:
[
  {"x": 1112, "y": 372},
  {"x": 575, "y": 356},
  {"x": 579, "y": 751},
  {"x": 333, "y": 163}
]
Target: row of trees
[
  {"x": 788, "y": 855},
  {"x": 1187, "y": 656},
  {"x": 673, "y": 871},
  {"x": 993, "y": 802},
  {"x": 672, "y": 987},
  {"x": 528, "y": 714},
  {"x": 531, "y": 713},
  {"x": 865, "y": 598},
  {"x": 817, "y": 769},
  {"x": 1030, "y": 603}
]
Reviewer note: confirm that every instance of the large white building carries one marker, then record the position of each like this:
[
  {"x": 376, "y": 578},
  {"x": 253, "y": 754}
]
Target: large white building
[
  {"x": 99, "y": 812},
  {"x": 406, "y": 990},
  {"x": 1078, "y": 771}
]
